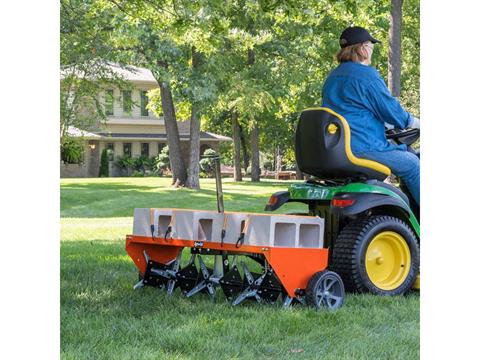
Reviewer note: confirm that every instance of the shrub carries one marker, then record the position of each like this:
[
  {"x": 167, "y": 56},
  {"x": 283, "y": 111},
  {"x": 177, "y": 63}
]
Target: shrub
[
  {"x": 207, "y": 164},
  {"x": 71, "y": 151},
  {"x": 125, "y": 162},
  {"x": 141, "y": 163},
  {"x": 161, "y": 162},
  {"x": 104, "y": 164}
]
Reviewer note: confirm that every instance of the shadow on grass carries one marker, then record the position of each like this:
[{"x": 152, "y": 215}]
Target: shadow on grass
[
  {"x": 264, "y": 183},
  {"x": 94, "y": 186}
]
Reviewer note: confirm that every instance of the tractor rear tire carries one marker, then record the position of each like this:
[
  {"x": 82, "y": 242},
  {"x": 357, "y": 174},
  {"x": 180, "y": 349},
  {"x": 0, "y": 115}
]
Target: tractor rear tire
[{"x": 377, "y": 254}]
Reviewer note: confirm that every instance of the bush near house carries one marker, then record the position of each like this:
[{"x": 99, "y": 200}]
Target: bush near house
[
  {"x": 138, "y": 166},
  {"x": 144, "y": 164},
  {"x": 71, "y": 151},
  {"x": 104, "y": 164},
  {"x": 125, "y": 163}
]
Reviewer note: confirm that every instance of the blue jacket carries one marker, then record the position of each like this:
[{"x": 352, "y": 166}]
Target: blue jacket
[{"x": 359, "y": 94}]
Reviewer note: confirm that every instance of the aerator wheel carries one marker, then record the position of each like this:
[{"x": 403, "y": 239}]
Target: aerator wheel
[
  {"x": 377, "y": 254},
  {"x": 325, "y": 290}
]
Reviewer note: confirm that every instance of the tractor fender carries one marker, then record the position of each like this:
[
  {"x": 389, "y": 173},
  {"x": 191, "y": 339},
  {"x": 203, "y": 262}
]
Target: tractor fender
[
  {"x": 364, "y": 201},
  {"x": 276, "y": 200}
]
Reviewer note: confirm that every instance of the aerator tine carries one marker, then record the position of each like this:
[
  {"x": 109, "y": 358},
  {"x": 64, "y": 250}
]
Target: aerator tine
[
  {"x": 205, "y": 283},
  {"x": 232, "y": 282},
  {"x": 188, "y": 276},
  {"x": 173, "y": 282},
  {"x": 252, "y": 286}
]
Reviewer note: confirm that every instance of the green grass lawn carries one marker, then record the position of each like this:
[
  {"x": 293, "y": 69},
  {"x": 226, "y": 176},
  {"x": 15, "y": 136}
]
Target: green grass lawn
[{"x": 102, "y": 317}]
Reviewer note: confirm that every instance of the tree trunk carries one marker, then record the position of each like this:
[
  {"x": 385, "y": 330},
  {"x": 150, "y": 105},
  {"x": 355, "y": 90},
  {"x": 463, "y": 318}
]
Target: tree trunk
[
  {"x": 237, "y": 174},
  {"x": 278, "y": 162},
  {"x": 243, "y": 141},
  {"x": 255, "y": 154},
  {"x": 193, "y": 179},
  {"x": 179, "y": 173},
  {"x": 395, "y": 49},
  {"x": 298, "y": 172}
]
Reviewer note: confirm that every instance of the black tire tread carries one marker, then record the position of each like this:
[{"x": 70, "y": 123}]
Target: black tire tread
[{"x": 347, "y": 245}]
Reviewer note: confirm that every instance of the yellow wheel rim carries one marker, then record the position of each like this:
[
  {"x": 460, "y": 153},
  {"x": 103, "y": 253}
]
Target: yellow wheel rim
[{"x": 387, "y": 260}]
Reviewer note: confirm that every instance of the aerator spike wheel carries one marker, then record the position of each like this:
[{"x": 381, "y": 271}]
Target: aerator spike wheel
[
  {"x": 172, "y": 283},
  {"x": 205, "y": 283},
  {"x": 262, "y": 287},
  {"x": 251, "y": 283},
  {"x": 232, "y": 283},
  {"x": 188, "y": 276},
  {"x": 325, "y": 290},
  {"x": 270, "y": 287},
  {"x": 156, "y": 275},
  {"x": 160, "y": 275}
]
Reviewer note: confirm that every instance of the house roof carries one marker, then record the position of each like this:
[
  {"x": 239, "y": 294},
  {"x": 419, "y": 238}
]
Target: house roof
[
  {"x": 134, "y": 136},
  {"x": 75, "y": 132},
  {"x": 133, "y": 73},
  {"x": 127, "y": 72}
]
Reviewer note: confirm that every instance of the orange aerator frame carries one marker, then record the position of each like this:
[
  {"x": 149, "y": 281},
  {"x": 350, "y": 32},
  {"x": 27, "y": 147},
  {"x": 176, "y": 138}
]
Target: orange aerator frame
[{"x": 293, "y": 266}]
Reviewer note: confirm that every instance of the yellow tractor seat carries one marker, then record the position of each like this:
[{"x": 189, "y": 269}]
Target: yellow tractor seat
[{"x": 322, "y": 148}]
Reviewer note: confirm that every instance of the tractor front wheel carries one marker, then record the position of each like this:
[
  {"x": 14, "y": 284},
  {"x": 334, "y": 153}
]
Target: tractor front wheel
[{"x": 377, "y": 254}]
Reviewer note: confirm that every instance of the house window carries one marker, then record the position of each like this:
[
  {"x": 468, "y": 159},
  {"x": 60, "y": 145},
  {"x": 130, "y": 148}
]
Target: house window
[
  {"x": 143, "y": 103},
  {"x": 160, "y": 147},
  {"x": 109, "y": 102},
  {"x": 127, "y": 149},
  {"x": 127, "y": 101},
  {"x": 145, "y": 148},
  {"x": 110, "y": 151}
]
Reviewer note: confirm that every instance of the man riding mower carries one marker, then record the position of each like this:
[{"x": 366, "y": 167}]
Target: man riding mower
[{"x": 371, "y": 227}]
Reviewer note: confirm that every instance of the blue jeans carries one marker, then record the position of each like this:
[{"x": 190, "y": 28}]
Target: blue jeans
[{"x": 403, "y": 164}]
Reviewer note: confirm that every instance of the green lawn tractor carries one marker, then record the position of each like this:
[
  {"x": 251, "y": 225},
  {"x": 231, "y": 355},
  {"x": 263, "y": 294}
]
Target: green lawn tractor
[{"x": 371, "y": 227}]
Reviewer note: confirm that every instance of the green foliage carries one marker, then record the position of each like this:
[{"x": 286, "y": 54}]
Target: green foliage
[
  {"x": 138, "y": 166},
  {"x": 162, "y": 161},
  {"x": 207, "y": 164},
  {"x": 143, "y": 163},
  {"x": 85, "y": 48},
  {"x": 265, "y": 60},
  {"x": 104, "y": 164},
  {"x": 125, "y": 162},
  {"x": 72, "y": 150}
]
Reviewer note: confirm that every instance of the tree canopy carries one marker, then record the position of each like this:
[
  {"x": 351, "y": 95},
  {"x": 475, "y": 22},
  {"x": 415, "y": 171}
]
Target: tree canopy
[{"x": 262, "y": 60}]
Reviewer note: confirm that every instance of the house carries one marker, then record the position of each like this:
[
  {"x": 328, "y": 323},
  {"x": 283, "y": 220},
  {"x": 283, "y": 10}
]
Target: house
[{"x": 130, "y": 128}]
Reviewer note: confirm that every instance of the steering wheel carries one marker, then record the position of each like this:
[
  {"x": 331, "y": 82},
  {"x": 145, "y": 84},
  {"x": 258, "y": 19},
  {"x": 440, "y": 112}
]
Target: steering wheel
[{"x": 407, "y": 136}]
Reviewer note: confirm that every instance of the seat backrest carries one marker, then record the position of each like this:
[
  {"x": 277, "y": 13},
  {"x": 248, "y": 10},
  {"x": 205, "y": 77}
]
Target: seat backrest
[{"x": 322, "y": 148}]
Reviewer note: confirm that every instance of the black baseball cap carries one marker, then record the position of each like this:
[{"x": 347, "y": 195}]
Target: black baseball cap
[{"x": 355, "y": 35}]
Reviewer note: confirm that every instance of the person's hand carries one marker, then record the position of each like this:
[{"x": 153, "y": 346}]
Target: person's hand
[{"x": 415, "y": 124}]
